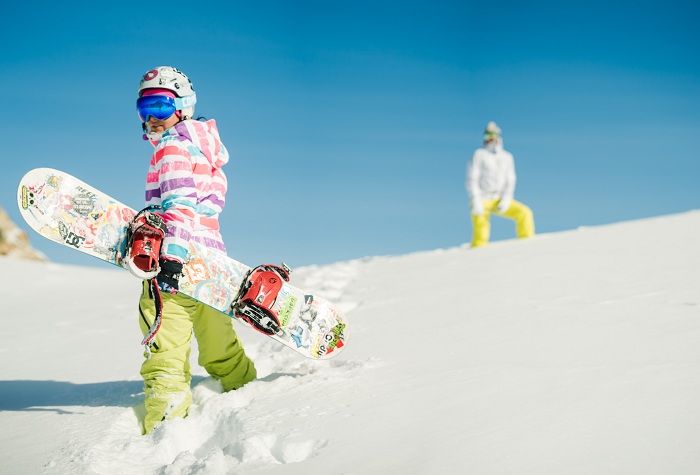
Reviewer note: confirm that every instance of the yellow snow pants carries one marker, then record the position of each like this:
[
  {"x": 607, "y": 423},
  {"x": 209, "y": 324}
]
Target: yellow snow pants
[
  {"x": 166, "y": 374},
  {"x": 518, "y": 212}
]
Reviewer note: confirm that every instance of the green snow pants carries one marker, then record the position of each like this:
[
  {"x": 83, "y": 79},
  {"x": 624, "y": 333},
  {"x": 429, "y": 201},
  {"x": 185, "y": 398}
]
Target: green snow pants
[{"x": 166, "y": 374}]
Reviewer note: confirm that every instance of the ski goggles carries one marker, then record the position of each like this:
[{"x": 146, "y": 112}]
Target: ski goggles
[
  {"x": 489, "y": 136},
  {"x": 161, "y": 107}
]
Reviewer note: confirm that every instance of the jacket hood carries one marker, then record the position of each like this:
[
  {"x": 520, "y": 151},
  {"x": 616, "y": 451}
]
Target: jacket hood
[{"x": 203, "y": 135}]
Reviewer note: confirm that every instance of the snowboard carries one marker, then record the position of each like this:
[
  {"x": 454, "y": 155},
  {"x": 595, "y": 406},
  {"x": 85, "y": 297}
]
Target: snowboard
[{"x": 72, "y": 213}]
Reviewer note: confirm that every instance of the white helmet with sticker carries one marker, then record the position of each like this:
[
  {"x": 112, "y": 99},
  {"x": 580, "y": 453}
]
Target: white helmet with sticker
[{"x": 172, "y": 79}]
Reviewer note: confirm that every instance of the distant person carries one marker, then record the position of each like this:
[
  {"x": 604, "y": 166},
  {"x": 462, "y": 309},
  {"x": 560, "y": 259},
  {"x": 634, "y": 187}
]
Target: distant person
[
  {"x": 491, "y": 185},
  {"x": 186, "y": 181}
]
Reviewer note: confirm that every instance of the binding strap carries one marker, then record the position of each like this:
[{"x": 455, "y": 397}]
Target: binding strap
[{"x": 149, "y": 339}]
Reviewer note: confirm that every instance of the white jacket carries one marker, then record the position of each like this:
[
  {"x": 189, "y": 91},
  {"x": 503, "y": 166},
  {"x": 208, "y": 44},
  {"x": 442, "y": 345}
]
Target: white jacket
[{"x": 491, "y": 176}]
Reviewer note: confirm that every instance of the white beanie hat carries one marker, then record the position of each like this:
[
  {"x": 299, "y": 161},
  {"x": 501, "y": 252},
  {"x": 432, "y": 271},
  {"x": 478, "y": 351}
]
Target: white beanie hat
[{"x": 492, "y": 128}]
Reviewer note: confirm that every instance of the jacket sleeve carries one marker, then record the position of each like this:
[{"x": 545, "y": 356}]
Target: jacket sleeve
[
  {"x": 173, "y": 166},
  {"x": 510, "y": 179},
  {"x": 473, "y": 175}
]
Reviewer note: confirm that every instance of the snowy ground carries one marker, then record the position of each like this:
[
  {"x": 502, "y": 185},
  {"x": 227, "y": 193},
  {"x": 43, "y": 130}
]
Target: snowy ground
[{"x": 570, "y": 353}]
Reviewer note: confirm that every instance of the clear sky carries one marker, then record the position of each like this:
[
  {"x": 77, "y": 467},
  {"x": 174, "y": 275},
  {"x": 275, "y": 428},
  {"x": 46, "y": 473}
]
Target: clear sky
[{"x": 350, "y": 123}]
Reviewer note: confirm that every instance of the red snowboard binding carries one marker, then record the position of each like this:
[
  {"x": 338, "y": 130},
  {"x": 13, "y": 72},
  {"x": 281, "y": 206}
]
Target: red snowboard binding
[
  {"x": 257, "y": 295},
  {"x": 143, "y": 240}
]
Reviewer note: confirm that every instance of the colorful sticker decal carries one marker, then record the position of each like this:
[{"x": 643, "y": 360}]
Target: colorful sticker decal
[
  {"x": 308, "y": 313},
  {"x": 27, "y": 198},
  {"x": 196, "y": 271},
  {"x": 301, "y": 334},
  {"x": 286, "y": 309},
  {"x": 54, "y": 181},
  {"x": 83, "y": 204}
]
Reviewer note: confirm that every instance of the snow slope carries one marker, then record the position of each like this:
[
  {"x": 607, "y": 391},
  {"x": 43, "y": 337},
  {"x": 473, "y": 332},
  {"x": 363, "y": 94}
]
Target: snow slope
[{"x": 569, "y": 353}]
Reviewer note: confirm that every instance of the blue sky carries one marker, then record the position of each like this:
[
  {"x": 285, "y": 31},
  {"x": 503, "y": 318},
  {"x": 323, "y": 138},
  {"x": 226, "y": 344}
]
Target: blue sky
[{"x": 350, "y": 123}]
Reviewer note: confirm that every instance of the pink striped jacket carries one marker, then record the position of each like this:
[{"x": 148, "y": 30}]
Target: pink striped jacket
[{"x": 185, "y": 178}]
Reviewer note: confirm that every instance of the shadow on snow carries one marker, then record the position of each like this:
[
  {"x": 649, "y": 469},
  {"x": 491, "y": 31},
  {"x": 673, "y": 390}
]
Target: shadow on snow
[{"x": 47, "y": 395}]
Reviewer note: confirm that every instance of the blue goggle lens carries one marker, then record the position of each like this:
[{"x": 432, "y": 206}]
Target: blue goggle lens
[{"x": 159, "y": 107}]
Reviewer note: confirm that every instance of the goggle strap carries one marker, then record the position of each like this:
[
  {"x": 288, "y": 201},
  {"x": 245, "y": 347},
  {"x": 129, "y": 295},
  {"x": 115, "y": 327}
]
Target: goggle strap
[{"x": 184, "y": 102}]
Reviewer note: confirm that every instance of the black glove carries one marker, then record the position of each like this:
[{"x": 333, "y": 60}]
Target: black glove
[{"x": 170, "y": 272}]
